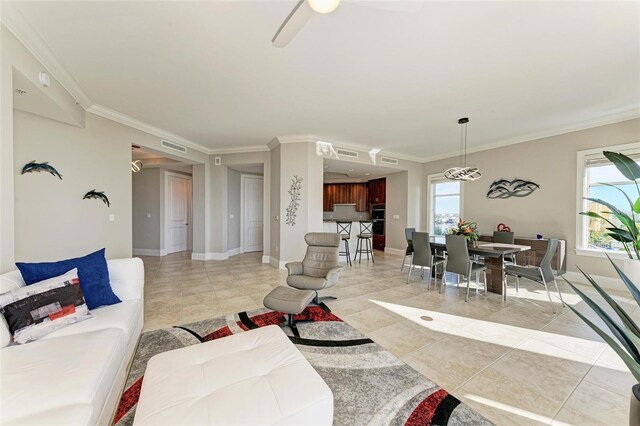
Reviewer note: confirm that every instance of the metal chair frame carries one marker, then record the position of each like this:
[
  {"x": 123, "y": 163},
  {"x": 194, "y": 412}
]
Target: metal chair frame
[
  {"x": 366, "y": 228},
  {"x": 344, "y": 229}
]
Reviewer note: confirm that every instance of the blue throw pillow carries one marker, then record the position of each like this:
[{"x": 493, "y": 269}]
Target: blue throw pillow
[{"x": 92, "y": 272}]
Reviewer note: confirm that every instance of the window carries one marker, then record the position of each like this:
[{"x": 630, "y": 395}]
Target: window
[
  {"x": 599, "y": 178},
  {"x": 445, "y": 204}
]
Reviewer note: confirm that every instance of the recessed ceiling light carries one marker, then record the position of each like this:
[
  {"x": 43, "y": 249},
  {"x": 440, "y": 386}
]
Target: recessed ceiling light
[
  {"x": 350, "y": 170},
  {"x": 367, "y": 174}
]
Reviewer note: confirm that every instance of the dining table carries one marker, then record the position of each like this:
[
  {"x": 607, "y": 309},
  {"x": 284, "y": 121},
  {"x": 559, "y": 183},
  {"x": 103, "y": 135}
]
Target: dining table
[{"x": 493, "y": 254}]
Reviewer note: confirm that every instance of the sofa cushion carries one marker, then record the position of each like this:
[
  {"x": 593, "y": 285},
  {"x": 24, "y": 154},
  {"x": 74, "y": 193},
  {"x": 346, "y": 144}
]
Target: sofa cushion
[
  {"x": 34, "y": 311},
  {"x": 68, "y": 378},
  {"x": 92, "y": 271},
  {"x": 123, "y": 316}
]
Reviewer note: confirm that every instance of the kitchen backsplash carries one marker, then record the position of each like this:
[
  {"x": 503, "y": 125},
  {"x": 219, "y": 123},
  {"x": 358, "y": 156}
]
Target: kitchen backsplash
[{"x": 345, "y": 212}]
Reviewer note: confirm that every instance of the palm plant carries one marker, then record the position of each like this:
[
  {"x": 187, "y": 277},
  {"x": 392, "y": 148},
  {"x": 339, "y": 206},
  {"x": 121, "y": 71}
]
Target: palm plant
[
  {"x": 626, "y": 333},
  {"x": 626, "y": 233}
]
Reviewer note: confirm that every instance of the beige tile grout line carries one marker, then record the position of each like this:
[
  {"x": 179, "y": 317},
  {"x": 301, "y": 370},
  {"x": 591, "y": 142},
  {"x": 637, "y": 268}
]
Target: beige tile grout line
[{"x": 578, "y": 384}]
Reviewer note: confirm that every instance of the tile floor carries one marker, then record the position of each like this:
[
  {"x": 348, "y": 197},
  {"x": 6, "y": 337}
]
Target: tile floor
[{"x": 515, "y": 361}]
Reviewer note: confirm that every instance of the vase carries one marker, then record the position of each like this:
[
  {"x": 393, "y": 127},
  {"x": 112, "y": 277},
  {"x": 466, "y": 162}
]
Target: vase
[
  {"x": 634, "y": 409},
  {"x": 631, "y": 268}
]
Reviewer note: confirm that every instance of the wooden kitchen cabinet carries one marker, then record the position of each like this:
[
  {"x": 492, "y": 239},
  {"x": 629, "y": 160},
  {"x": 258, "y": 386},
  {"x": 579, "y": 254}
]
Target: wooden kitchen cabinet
[
  {"x": 345, "y": 193},
  {"x": 377, "y": 191}
]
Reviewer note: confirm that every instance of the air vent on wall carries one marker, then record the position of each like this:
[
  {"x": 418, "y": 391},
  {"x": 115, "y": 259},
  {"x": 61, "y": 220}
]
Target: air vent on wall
[
  {"x": 174, "y": 146},
  {"x": 347, "y": 153},
  {"x": 388, "y": 160}
]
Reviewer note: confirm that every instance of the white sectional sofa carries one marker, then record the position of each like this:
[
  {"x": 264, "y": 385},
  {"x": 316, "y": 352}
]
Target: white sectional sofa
[{"x": 74, "y": 375}]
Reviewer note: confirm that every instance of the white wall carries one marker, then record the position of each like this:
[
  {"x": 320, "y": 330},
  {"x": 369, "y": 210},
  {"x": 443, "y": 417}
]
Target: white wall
[
  {"x": 14, "y": 58},
  {"x": 396, "y": 205},
  {"x": 274, "y": 219},
  {"x": 218, "y": 192},
  {"x": 299, "y": 159},
  {"x": 147, "y": 200},
  {"x": 551, "y": 163},
  {"x": 52, "y": 221},
  {"x": 233, "y": 200}
]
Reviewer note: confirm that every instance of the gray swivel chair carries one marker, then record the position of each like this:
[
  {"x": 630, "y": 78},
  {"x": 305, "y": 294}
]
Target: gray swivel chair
[
  {"x": 408, "y": 234},
  {"x": 424, "y": 257},
  {"x": 459, "y": 263},
  {"x": 319, "y": 269},
  {"x": 505, "y": 238},
  {"x": 542, "y": 274}
]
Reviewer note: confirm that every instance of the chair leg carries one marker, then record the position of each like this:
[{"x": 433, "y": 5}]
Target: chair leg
[
  {"x": 477, "y": 282},
  {"x": 403, "y": 259},
  {"x": 409, "y": 275},
  {"x": 484, "y": 275},
  {"x": 466, "y": 297},
  {"x": 546, "y": 287},
  {"x": 346, "y": 247},
  {"x": 517, "y": 285},
  {"x": 559, "y": 294},
  {"x": 429, "y": 281},
  {"x": 443, "y": 283},
  {"x": 371, "y": 250},
  {"x": 504, "y": 288}
]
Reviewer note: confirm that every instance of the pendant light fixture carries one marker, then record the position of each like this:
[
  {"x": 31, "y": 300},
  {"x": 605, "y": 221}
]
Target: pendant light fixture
[
  {"x": 136, "y": 165},
  {"x": 464, "y": 172}
]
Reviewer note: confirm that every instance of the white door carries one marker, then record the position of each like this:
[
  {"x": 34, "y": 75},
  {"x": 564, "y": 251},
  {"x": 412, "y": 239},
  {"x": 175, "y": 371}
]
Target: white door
[
  {"x": 252, "y": 213},
  {"x": 177, "y": 196}
]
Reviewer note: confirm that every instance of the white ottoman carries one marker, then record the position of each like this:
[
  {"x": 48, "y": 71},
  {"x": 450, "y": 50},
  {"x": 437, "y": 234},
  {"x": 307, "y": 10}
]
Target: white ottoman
[{"x": 254, "y": 378}]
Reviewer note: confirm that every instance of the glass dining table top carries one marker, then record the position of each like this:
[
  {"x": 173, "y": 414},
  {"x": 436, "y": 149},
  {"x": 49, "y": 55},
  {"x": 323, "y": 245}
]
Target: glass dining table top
[{"x": 486, "y": 249}]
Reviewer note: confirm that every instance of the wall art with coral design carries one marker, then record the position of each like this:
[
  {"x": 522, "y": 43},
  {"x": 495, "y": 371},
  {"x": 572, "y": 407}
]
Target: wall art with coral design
[{"x": 295, "y": 192}]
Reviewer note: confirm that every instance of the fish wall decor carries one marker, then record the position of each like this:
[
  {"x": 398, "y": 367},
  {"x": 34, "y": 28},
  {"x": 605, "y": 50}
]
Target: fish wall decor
[
  {"x": 503, "y": 188},
  {"x": 33, "y": 167},
  {"x": 99, "y": 195}
]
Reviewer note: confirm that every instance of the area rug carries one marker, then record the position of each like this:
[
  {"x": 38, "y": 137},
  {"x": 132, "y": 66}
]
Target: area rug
[{"x": 370, "y": 385}]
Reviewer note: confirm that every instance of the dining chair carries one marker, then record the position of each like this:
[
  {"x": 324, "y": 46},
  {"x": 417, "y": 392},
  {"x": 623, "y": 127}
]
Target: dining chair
[
  {"x": 408, "y": 235},
  {"x": 505, "y": 238},
  {"x": 344, "y": 229},
  {"x": 459, "y": 263},
  {"x": 424, "y": 258},
  {"x": 542, "y": 274},
  {"x": 364, "y": 244}
]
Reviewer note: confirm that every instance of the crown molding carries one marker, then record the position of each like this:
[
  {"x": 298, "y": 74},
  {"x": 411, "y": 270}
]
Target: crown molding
[
  {"x": 31, "y": 40},
  {"x": 118, "y": 117},
  {"x": 310, "y": 138},
  {"x": 612, "y": 118},
  {"x": 240, "y": 150}
]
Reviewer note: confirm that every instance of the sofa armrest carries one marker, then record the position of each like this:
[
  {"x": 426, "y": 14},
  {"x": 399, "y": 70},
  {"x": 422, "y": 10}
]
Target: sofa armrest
[
  {"x": 294, "y": 268},
  {"x": 127, "y": 278}
]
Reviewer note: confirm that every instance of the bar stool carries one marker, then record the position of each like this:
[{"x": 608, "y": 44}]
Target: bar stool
[
  {"x": 344, "y": 229},
  {"x": 364, "y": 241}
]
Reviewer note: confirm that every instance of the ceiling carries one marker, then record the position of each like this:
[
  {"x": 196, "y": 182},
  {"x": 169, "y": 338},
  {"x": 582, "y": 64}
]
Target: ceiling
[
  {"x": 207, "y": 71},
  {"x": 338, "y": 171}
]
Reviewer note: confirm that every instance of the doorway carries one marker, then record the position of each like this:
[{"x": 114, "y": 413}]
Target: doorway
[
  {"x": 251, "y": 210},
  {"x": 177, "y": 212}
]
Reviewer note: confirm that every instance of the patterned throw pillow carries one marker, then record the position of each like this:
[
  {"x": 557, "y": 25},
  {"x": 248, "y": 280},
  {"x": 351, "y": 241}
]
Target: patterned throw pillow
[{"x": 36, "y": 310}]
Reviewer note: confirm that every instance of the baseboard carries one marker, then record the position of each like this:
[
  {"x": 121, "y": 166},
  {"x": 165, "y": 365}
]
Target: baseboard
[
  {"x": 266, "y": 259},
  {"x": 604, "y": 282},
  {"x": 209, "y": 256},
  {"x": 392, "y": 250},
  {"x": 233, "y": 252},
  {"x": 148, "y": 252},
  {"x": 276, "y": 263}
]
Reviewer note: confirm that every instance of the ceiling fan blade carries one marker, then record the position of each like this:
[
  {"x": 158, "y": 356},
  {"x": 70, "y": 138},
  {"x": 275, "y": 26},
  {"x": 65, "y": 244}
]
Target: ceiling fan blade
[{"x": 293, "y": 24}]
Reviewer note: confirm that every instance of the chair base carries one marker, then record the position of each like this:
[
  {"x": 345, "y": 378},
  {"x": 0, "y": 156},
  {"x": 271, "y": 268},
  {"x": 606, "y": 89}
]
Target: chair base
[{"x": 319, "y": 299}]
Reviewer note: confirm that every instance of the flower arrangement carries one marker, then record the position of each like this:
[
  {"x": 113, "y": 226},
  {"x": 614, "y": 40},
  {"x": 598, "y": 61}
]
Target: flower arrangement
[{"x": 468, "y": 229}]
